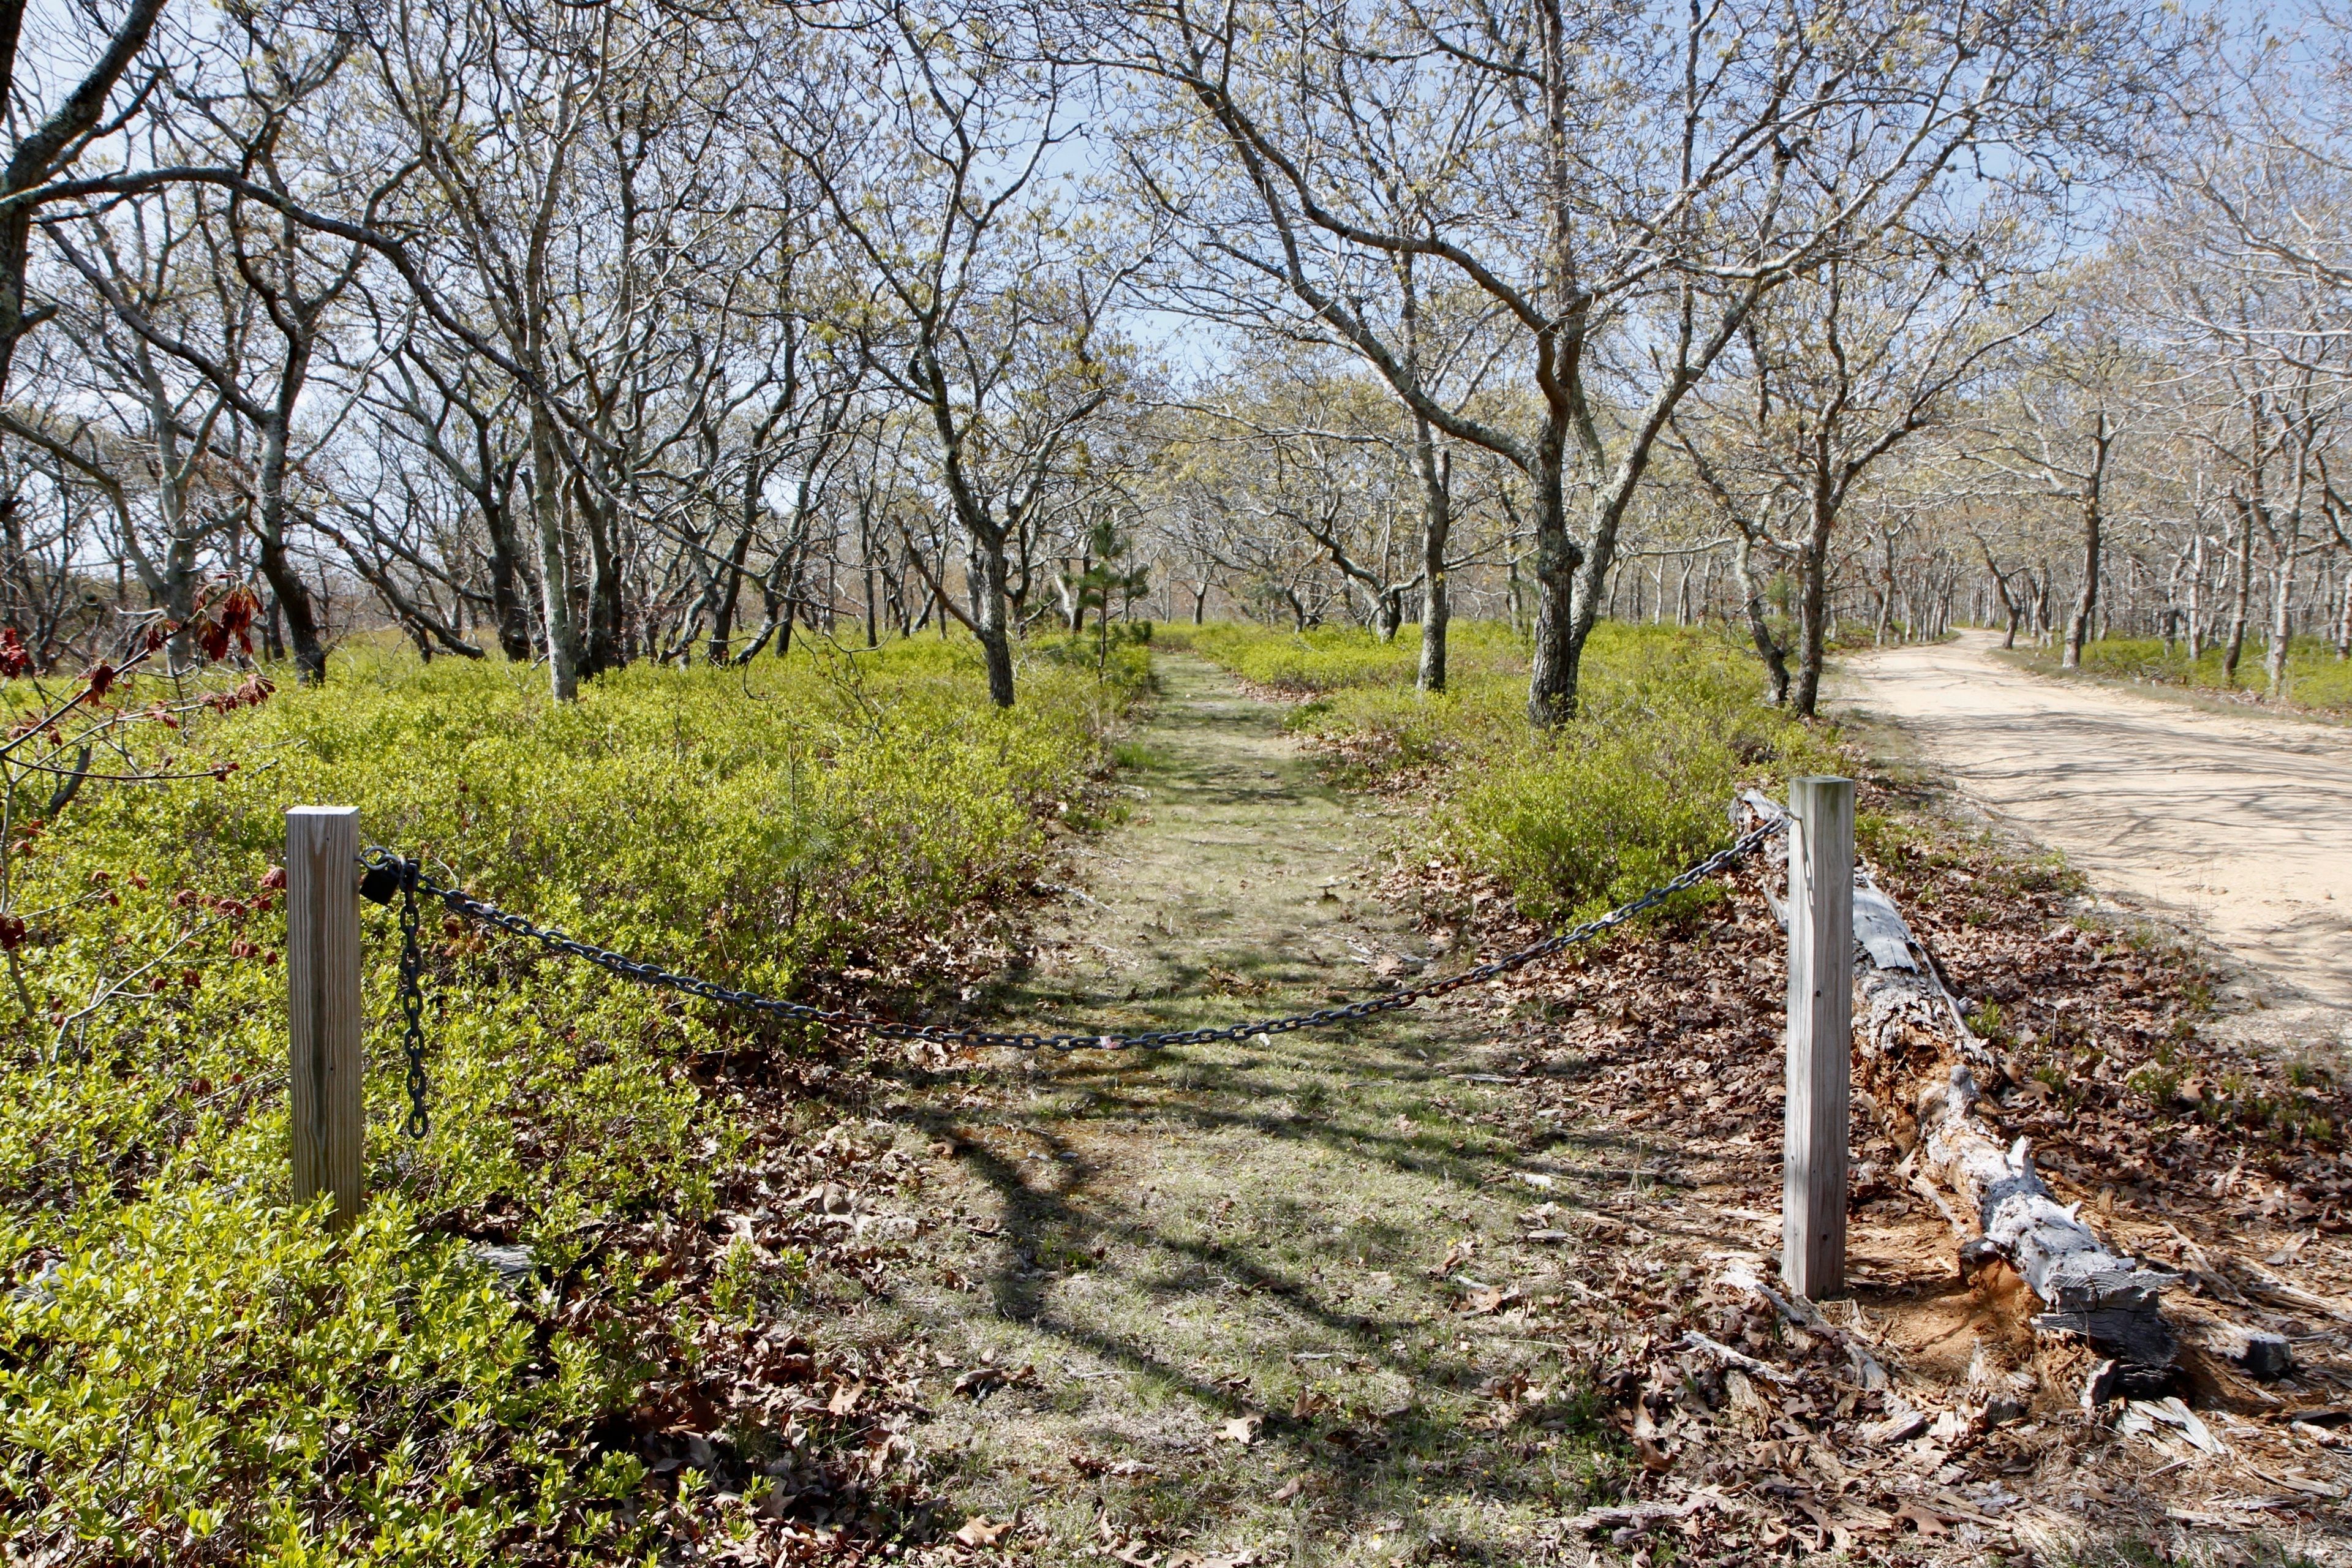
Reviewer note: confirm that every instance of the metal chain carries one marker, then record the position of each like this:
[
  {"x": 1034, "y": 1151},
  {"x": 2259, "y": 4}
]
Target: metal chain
[
  {"x": 412, "y": 1000},
  {"x": 412, "y": 877}
]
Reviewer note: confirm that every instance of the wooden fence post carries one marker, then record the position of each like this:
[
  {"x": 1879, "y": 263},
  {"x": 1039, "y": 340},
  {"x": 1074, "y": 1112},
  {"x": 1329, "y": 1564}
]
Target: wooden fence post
[
  {"x": 1820, "y": 1036},
  {"x": 322, "y": 1004}
]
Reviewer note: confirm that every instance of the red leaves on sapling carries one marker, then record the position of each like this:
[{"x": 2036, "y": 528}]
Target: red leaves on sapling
[
  {"x": 233, "y": 623},
  {"x": 16, "y": 659},
  {"x": 255, "y": 691}
]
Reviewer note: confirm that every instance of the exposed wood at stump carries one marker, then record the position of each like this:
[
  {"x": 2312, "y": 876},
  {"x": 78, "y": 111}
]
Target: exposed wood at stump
[{"x": 2086, "y": 1289}]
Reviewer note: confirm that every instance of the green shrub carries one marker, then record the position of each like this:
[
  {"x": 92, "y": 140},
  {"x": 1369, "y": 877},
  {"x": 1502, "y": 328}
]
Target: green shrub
[
  {"x": 1638, "y": 785},
  {"x": 1669, "y": 726},
  {"x": 1331, "y": 659},
  {"x": 199, "y": 1372},
  {"x": 2315, "y": 677}
]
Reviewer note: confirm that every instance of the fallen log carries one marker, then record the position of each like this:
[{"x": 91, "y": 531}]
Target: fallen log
[
  {"x": 2086, "y": 1290},
  {"x": 2007, "y": 1215}
]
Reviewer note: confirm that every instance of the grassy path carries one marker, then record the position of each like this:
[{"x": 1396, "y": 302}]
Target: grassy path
[{"x": 1255, "y": 1285}]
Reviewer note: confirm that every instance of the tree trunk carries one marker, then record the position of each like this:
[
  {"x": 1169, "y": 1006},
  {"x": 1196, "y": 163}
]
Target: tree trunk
[
  {"x": 2244, "y": 564},
  {"x": 995, "y": 632},
  {"x": 2283, "y": 602},
  {"x": 2281, "y": 623},
  {"x": 2094, "y": 496},
  {"x": 293, "y": 596},
  {"x": 1903, "y": 1010},
  {"x": 554, "y": 565},
  {"x": 723, "y": 615},
  {"x": 599, "y": 522},
  {"x": 1812, "y": 593},
  {"x": 1436, "y": 468},
  {"x": 507, "y": 608},
  {"x": 1759, "y": 623},
  {"x": 1812, "y": 638},
  {"x": 1905, "y": 1021},
  {"x": 1551, "y": 671}
]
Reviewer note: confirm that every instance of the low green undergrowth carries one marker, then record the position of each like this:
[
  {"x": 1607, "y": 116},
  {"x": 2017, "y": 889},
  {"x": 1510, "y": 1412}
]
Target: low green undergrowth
[
  {"x": 1669, "y": 726},
  {"x": 2315, "y": 677},
  {"x": 1331, "y": 658},
  {"x": 191, "y": 1371}
]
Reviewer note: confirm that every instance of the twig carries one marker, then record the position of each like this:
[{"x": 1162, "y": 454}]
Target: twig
[{"x": 1694, "y": 1339}]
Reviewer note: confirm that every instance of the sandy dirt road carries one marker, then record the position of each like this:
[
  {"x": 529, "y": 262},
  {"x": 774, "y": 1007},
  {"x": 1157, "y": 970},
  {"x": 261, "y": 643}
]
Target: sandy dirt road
[{"x": 2240, "y": 829}]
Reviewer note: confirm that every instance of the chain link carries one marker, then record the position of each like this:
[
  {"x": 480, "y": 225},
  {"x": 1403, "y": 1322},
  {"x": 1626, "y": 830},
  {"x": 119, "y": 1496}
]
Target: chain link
[
  {"x": 412, "y": 878},
  {"x": 412, "y": 1000}
]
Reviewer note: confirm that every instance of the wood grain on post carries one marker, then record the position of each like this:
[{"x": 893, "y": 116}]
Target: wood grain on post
[
  {"x": 322, "y": 1004},
  {"x": 1820, "y": 1036}
]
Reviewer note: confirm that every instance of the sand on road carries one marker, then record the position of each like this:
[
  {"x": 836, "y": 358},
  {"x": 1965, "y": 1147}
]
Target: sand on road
[{"x": 2239, "y": 828}]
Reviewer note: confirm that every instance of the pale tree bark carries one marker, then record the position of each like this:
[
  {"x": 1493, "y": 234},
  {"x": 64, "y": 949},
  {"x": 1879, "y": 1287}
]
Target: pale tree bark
[
  {"x": 1436, "y": 472},
  {"x": 40, "y": 157},
  {"x": 2241, "y": 566},
  {"x": 2101, "y": 447},
  {"x": 1742, "y": 191}
]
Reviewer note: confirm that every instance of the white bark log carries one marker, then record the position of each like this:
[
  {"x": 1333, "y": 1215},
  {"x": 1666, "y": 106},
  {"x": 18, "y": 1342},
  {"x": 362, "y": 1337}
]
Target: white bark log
[{"x": 2086, "y": 1289}]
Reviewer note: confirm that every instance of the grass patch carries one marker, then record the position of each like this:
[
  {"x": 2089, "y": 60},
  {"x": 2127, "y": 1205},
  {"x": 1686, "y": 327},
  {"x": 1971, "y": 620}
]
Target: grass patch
[
  {"x": 1669, "y": 726},
  {"x": 189, "y": 1368},
  {"x": 2315, "y": 677},
  {"x": 1333, "y": 658}
]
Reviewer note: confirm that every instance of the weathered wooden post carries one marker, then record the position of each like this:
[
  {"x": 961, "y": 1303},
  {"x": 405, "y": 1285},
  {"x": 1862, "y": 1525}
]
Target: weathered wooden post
[
  {"x": 322, "y": 1004},
  {"x": 1820, "y": 1035}
]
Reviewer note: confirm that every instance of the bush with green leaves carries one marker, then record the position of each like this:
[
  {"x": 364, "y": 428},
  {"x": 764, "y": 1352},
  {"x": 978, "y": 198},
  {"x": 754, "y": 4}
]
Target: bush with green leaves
[
  {"x": 190, "y": 1369},
  {"x": 1332, "y": 659},
  {"x": 2315, "y": 677},
  {"x": 1670, "y": 724}
]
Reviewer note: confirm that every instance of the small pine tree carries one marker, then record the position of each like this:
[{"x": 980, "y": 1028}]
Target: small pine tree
[{"x": 1110, "y": 574}]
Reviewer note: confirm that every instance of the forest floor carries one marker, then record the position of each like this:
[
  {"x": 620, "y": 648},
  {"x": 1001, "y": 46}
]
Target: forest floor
[{"x": 1458, "y": 1284}]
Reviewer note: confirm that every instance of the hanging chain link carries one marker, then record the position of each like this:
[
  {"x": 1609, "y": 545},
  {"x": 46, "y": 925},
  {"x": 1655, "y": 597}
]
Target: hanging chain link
[
  {"x": 388, "y": 873},
  {"x": 412, "y": 1001}
]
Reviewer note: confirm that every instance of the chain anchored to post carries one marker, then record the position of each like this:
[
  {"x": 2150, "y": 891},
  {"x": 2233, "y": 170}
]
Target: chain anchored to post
[{"x": 387, "y": 874}]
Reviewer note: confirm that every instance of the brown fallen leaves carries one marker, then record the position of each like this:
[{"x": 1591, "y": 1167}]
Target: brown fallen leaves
[
  {"x": 976, "y": 1383},
  {"x": 982, "y": 1530},
  {"x": 1138, "y": 1547},
  {"x": 1921, "y": 1421}
]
